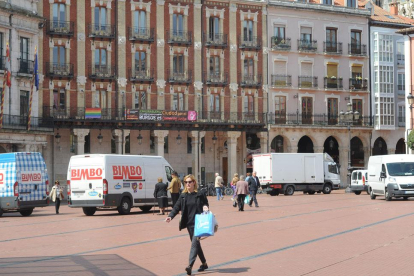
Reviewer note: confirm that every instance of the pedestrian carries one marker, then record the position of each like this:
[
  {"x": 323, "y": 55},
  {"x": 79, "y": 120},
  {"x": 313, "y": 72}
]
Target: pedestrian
[
  {"x": 56, "y": 194},
  {"x": 174, "y": 188},
  {"x": 233, "y": 184},
  {"x": 219, "y": 185},
  {"x": 160, "y": 193},
  {"x": 254, "y": 185},
  {"x": 242, "y": 189},
  {"x": 248, "y": 175},
  {"x": 190, "y": 203}
]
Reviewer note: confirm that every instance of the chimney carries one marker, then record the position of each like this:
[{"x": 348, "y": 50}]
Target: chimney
[{"x": 394, "y": 8}]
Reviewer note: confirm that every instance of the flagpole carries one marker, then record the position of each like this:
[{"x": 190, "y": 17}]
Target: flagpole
[
  {"x": 6, "y": 82},
  {"x": 3, "y": 92},
  {"x": 34, "y": 87}
]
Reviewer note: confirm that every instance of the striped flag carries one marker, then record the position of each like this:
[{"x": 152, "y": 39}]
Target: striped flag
[
  {"x": 35, "y": 87},
  {"x": 6, "y": 82}
]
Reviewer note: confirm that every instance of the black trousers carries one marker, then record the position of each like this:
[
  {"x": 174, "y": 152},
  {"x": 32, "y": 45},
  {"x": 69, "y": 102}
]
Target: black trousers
[
  {"x": 195, "y": 248},
  {"x": 57, "y": 205},
  {"x": 174, "y": 197},
  {"x": 253, "y": 198},
  {"x": 240, "y": 201}
]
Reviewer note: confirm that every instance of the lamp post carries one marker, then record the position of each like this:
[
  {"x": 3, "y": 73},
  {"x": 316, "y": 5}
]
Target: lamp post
[
  {"x": 139, "y": 138},
  {"x": 410, "y": 99},
  {"x": 348, "y": 118},
  {"x": 178, "y": 139},
  {"x": 214, "y": 151}
]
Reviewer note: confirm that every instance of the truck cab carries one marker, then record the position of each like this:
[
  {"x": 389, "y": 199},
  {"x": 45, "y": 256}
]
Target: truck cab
[{"x": 331, "y": 172}]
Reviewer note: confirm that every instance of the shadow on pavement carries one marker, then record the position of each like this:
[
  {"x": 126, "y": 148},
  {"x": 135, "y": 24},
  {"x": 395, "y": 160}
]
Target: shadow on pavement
[{"x": 227, "y": 270}]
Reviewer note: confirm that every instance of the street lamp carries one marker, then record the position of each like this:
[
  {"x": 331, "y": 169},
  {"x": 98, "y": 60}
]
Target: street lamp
[
  {"x": 139, "y": 138},
  {"x": 249, "y": 141},
  {"x": 214, "y": 151},
  {"x": 57, "y": 136},
  {"x": 348, "y": 118},
  {"x": 178, "y": 139},
  {"x": 100, "y": 137},
  {"x": 410, "y": 99},
  {"x": 279, "y": 145}
]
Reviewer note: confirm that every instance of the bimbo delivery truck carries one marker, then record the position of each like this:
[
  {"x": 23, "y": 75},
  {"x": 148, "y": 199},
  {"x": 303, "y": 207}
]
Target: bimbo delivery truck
[
  {"x": 105, "y": 181},
  {"x": 23, "y": 182},
  {"x": 289, "y": 172}
]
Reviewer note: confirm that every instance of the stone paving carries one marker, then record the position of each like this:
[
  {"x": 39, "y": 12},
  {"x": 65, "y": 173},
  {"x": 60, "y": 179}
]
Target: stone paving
[{"x": 336, "y": 234}]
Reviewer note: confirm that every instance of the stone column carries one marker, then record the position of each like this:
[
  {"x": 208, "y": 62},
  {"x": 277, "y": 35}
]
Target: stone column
[
  {"x": 233, "y": 57},
  {"x": 117, "y": 133},
  {"x": 80, "y": 133},
  {"x": 391, "y": 151},
  {"x": 232, "y": 153},
  {"x": 343, "y": 161},
  {"x": 195, "y": 146},
  {"x": 318, "y": 149},
  {"x": 126, "y": 133},
  {"x": 122, "y": 37},
  {"x": 159, "y": 136},
  {"x": 160, "y": 54},
  {"x": 264, "y": 148},
  {"x": 81, "y": 50},
  {"x": 366, "y": 156},
  {"x": 292, "y": 149}
]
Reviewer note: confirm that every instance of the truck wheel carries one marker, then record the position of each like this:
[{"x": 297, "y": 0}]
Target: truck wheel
[
  {"x": 26, "y": 212},
  {"x": 311, "y": 192},
  {"x": 125, "y": 206},
  {"x": 327, "y": 188},
  {"x": 89, "y": 211},
  {"x": 289, "y": 190},
  {"x": 372, "y": 195},
  {"x": 357, "y": 192},
  {"x": 305, "y": 192},
  {"x": 388, "y": 197},
  {"x": 145, "y": 209},
  {"x": 405, "y": 198}
]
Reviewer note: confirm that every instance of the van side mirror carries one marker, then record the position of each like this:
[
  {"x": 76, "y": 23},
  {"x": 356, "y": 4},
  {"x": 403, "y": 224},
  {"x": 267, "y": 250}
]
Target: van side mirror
[{"x": 382, "y": 175}]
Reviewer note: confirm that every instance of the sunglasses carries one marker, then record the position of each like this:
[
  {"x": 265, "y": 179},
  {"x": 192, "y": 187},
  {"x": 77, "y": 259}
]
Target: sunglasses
[{"x": 188, "y": 182}]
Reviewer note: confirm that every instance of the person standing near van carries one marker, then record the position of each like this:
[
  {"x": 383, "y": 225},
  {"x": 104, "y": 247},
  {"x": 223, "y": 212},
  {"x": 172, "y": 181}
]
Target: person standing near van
[
  {"x": 56, "y": 194},
  {"x": 160, "y": 193},
  {"x": 218, "y": 184},
  {"x": 174, "y": 188},
  {"x": 190, "y": 203}
]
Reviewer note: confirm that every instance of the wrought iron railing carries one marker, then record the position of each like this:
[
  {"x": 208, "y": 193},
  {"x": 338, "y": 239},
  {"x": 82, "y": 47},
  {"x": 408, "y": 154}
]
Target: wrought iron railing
[
  {"x": 282, "y": 118},
  {"x": 26, "y": 66},
  {"x": 102, "y": 72},
  {"x": 141, "y": 34},
  {"x": 60, "y": 70},
  {"x": 216, "y": 78},
  {"x": 101, "y": 30},
  {"x": 20, "y": 122},
  {"x": 331, "y": 47},
  {"x": 137, "y": 75},
  {"x": 358, "y": 84},
  {"x": 279, "y": 43},
  {"x": 333, "y": 83},
  {"x": 250, "y": 80},
  {"x": 215, "y": 39},
  {"x": 355, "y": 49},
  {"x": 307, "y": 82},
  {"x": 250, "y": 42},
  {"x": 180, "y": 77},
  {"x": 401, "y": 121},
  {"x": 307, "y": 45},
  {"x": 232, "y": 117},
  {"x": 179, "y": 37},
  {"x": 281, "y": 81},
  {"x": 63, "y": 28}
]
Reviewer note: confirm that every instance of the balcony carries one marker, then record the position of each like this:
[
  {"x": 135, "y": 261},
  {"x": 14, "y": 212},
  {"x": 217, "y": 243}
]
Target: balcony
[
  {"x": 358, "y": 84},
  {"x": 401, "y": 121},
  {"x": 59, "y": 70},
  {"x": 282, "y": 118},
  {"x": 26, "y": 66},
  {"x": 217, "y": 79},
  {"x": 250, "y": 80},
  {"x": 101, "y": 31},
  {"x": 137, "y": 75},
  {"x": 179, "y": 37},
  {"x": 80, "y": 113},
  {"x": 102, "y": 72},
  {"x": 141, "y": 34},
  {"x": 215, "y": 40},
  {"x": 253, "y": 42},
  {"x": 357, "y": 49},
  {"x": 307, "y": 45},
  {"x": 180, "y": 77},
  {"x": 332, "y": 48},
  {"x": 19, "y": 122},
  {"x": 401, "y": 89},
  {"x": 333, "y": 83},
  {"x": 308, "y": 82},
  {"x": 281, "y": 81},
  {"x": 280, "y": 44},
  {"x": 400, "y": 59},
  {"x": 232, "y": 117},
  {"x": 60, "y": 28}
]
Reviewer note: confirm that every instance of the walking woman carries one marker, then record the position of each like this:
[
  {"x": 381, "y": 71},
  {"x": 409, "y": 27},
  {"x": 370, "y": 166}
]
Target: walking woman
[
  {"x": 190, "y": 203},
  {"x": 242, "y": 189},
  {"x": 160, "y": 193},
  {"x": 56, "y": 194},
  {"x": 233, "y": 184}
]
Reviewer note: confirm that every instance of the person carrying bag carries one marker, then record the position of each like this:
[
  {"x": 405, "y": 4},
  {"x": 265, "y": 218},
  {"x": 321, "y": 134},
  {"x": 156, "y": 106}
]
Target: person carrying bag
[{"x": 56, "y": 194}]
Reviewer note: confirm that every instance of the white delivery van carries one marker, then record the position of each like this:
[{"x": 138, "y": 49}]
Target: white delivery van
[
  {"x": 359, "y": 181},
  {"x": 98, "y": 181},
  {"x": 23, "y": 182},
  {"x": 391, "y": 176}
]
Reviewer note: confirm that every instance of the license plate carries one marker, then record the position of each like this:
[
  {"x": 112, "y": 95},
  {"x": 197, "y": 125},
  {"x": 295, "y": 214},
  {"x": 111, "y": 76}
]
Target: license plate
[{"x": 409, "y": 192}]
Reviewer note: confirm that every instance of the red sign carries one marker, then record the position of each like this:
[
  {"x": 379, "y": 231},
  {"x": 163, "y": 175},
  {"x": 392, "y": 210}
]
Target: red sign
[
  {"x": 127, "y": 172},
  {"x": 140, "y": 186},
  {"x": 31, "y": 177},
  {"x": 2, "y": 178},
  {"x": 86, "y": 174}
]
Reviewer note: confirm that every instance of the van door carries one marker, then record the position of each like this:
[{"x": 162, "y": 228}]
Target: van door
[{"x": 354, "y": 178}]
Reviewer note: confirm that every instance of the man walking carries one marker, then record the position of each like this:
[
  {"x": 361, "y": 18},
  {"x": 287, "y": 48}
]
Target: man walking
[
  {"x": 218, "y": 184},
  {"x": 254, "y": 185},
  {"x": 174, "y": 188}
]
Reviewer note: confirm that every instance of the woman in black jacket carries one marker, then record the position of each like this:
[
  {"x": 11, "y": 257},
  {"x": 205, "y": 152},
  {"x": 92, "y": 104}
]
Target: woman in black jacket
[
  {"x": 190, "y": 203},
  {"x": 160, "y": 193}
]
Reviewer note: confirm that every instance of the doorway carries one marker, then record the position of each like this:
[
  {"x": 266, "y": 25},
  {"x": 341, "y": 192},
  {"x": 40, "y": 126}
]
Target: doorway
[{"x": 225, "y": 170}]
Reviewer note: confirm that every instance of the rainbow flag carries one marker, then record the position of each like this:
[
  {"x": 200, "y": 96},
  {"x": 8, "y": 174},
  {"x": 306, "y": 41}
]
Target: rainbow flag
[{"x": 92, "y": 113}]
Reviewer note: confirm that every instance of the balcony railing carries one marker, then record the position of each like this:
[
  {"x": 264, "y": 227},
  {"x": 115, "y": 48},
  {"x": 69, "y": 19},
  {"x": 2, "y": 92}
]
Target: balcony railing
[
  {"x": 26, "y": 66},
  {"x": 2, "y": 63},
  {"x": 281, "y": 81},
  {"x": 232, "y": 117},
  {"x": 215, "y": 40},
  {"x": 401, "y": 89},
  {"x": 101, "y": 31},
  {"x": 179, "y": 37},
  {"x": 141, "y": 34},
  {"x": 102, "y": 72},
  {"x": 137, "y": 75},
  {"x": 333, "y": 48},
  {"x": 59, "y": 70},
  {"x": 20, "y": 123},
  {"x": 307, "y": 82},
  {"x": 307, "y": 45},
  {"x": 252, "y": 42},
  {"x": 401, "y": 121},
  {"x": 282, "y": 118},
  {"x": 358, "y": 84},
  {"x": 333, "y": 83},
  {"x": 357, "y": 49},
  {"x": 216, "y": 78},
  {"x": 63, "y": 28},
  {"x": 281, "y": 44},
  {"x": 184, "y": 77},
  {"x": 250, "y": 80},
  {"x": 400, "y": 59}
]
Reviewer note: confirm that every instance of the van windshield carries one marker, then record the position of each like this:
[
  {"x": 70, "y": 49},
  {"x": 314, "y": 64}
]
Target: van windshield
[
  {"x": 333, "y": 169},
  {"x": 401, "y": 169}
]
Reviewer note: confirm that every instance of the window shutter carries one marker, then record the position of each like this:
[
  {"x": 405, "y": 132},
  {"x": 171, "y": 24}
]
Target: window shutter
[
  {"x": 306, "y": 69},
  {"x": 280, "y": 68}
]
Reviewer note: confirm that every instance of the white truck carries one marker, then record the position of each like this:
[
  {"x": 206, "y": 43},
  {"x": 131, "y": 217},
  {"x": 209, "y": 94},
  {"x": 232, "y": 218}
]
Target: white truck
[
  {"x": 289, "y": 172},
  {"x": 391, "y": 176},
  {"x": 105, "y": 181}
]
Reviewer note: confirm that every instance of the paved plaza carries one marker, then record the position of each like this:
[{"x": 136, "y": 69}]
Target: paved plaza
[{"x": 336, "y": 234}]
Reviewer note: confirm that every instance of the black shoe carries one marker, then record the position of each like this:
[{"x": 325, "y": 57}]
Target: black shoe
[
  {"x": 188, "y": 269},
  {"x": 203, "y": 267},
  {"x": 257, "y": 206},
  {"x": 250, "y": 205}
]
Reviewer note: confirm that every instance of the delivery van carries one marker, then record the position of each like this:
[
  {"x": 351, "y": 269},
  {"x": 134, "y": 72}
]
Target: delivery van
[
  {"x": 104, "y": 181},
  {"x": 391, "y": 176},
  {"x": 359, "y": 181},
  {"x": 23, "y": 182}
]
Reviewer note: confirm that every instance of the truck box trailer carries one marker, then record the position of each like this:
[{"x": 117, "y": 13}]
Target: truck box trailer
[{"x": 289, "y": 172}]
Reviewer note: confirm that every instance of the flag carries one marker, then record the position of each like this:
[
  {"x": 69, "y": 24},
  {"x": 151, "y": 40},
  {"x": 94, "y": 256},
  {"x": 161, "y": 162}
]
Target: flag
[
  {"x": 7, "y": 72},
  {"x": 36, "y": 72},
  {"x": 35, "y": 87}
]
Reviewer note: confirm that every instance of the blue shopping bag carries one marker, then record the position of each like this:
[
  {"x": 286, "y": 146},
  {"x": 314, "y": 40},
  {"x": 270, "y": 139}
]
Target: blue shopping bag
[
  {"x": 204, "y": 225},
  {"x": 247, "y": 199}
]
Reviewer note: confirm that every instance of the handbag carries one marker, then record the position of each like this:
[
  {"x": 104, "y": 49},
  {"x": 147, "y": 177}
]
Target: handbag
[
  {"x": 205, "y": 225},
  {"x": 247, "y": 199}
]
